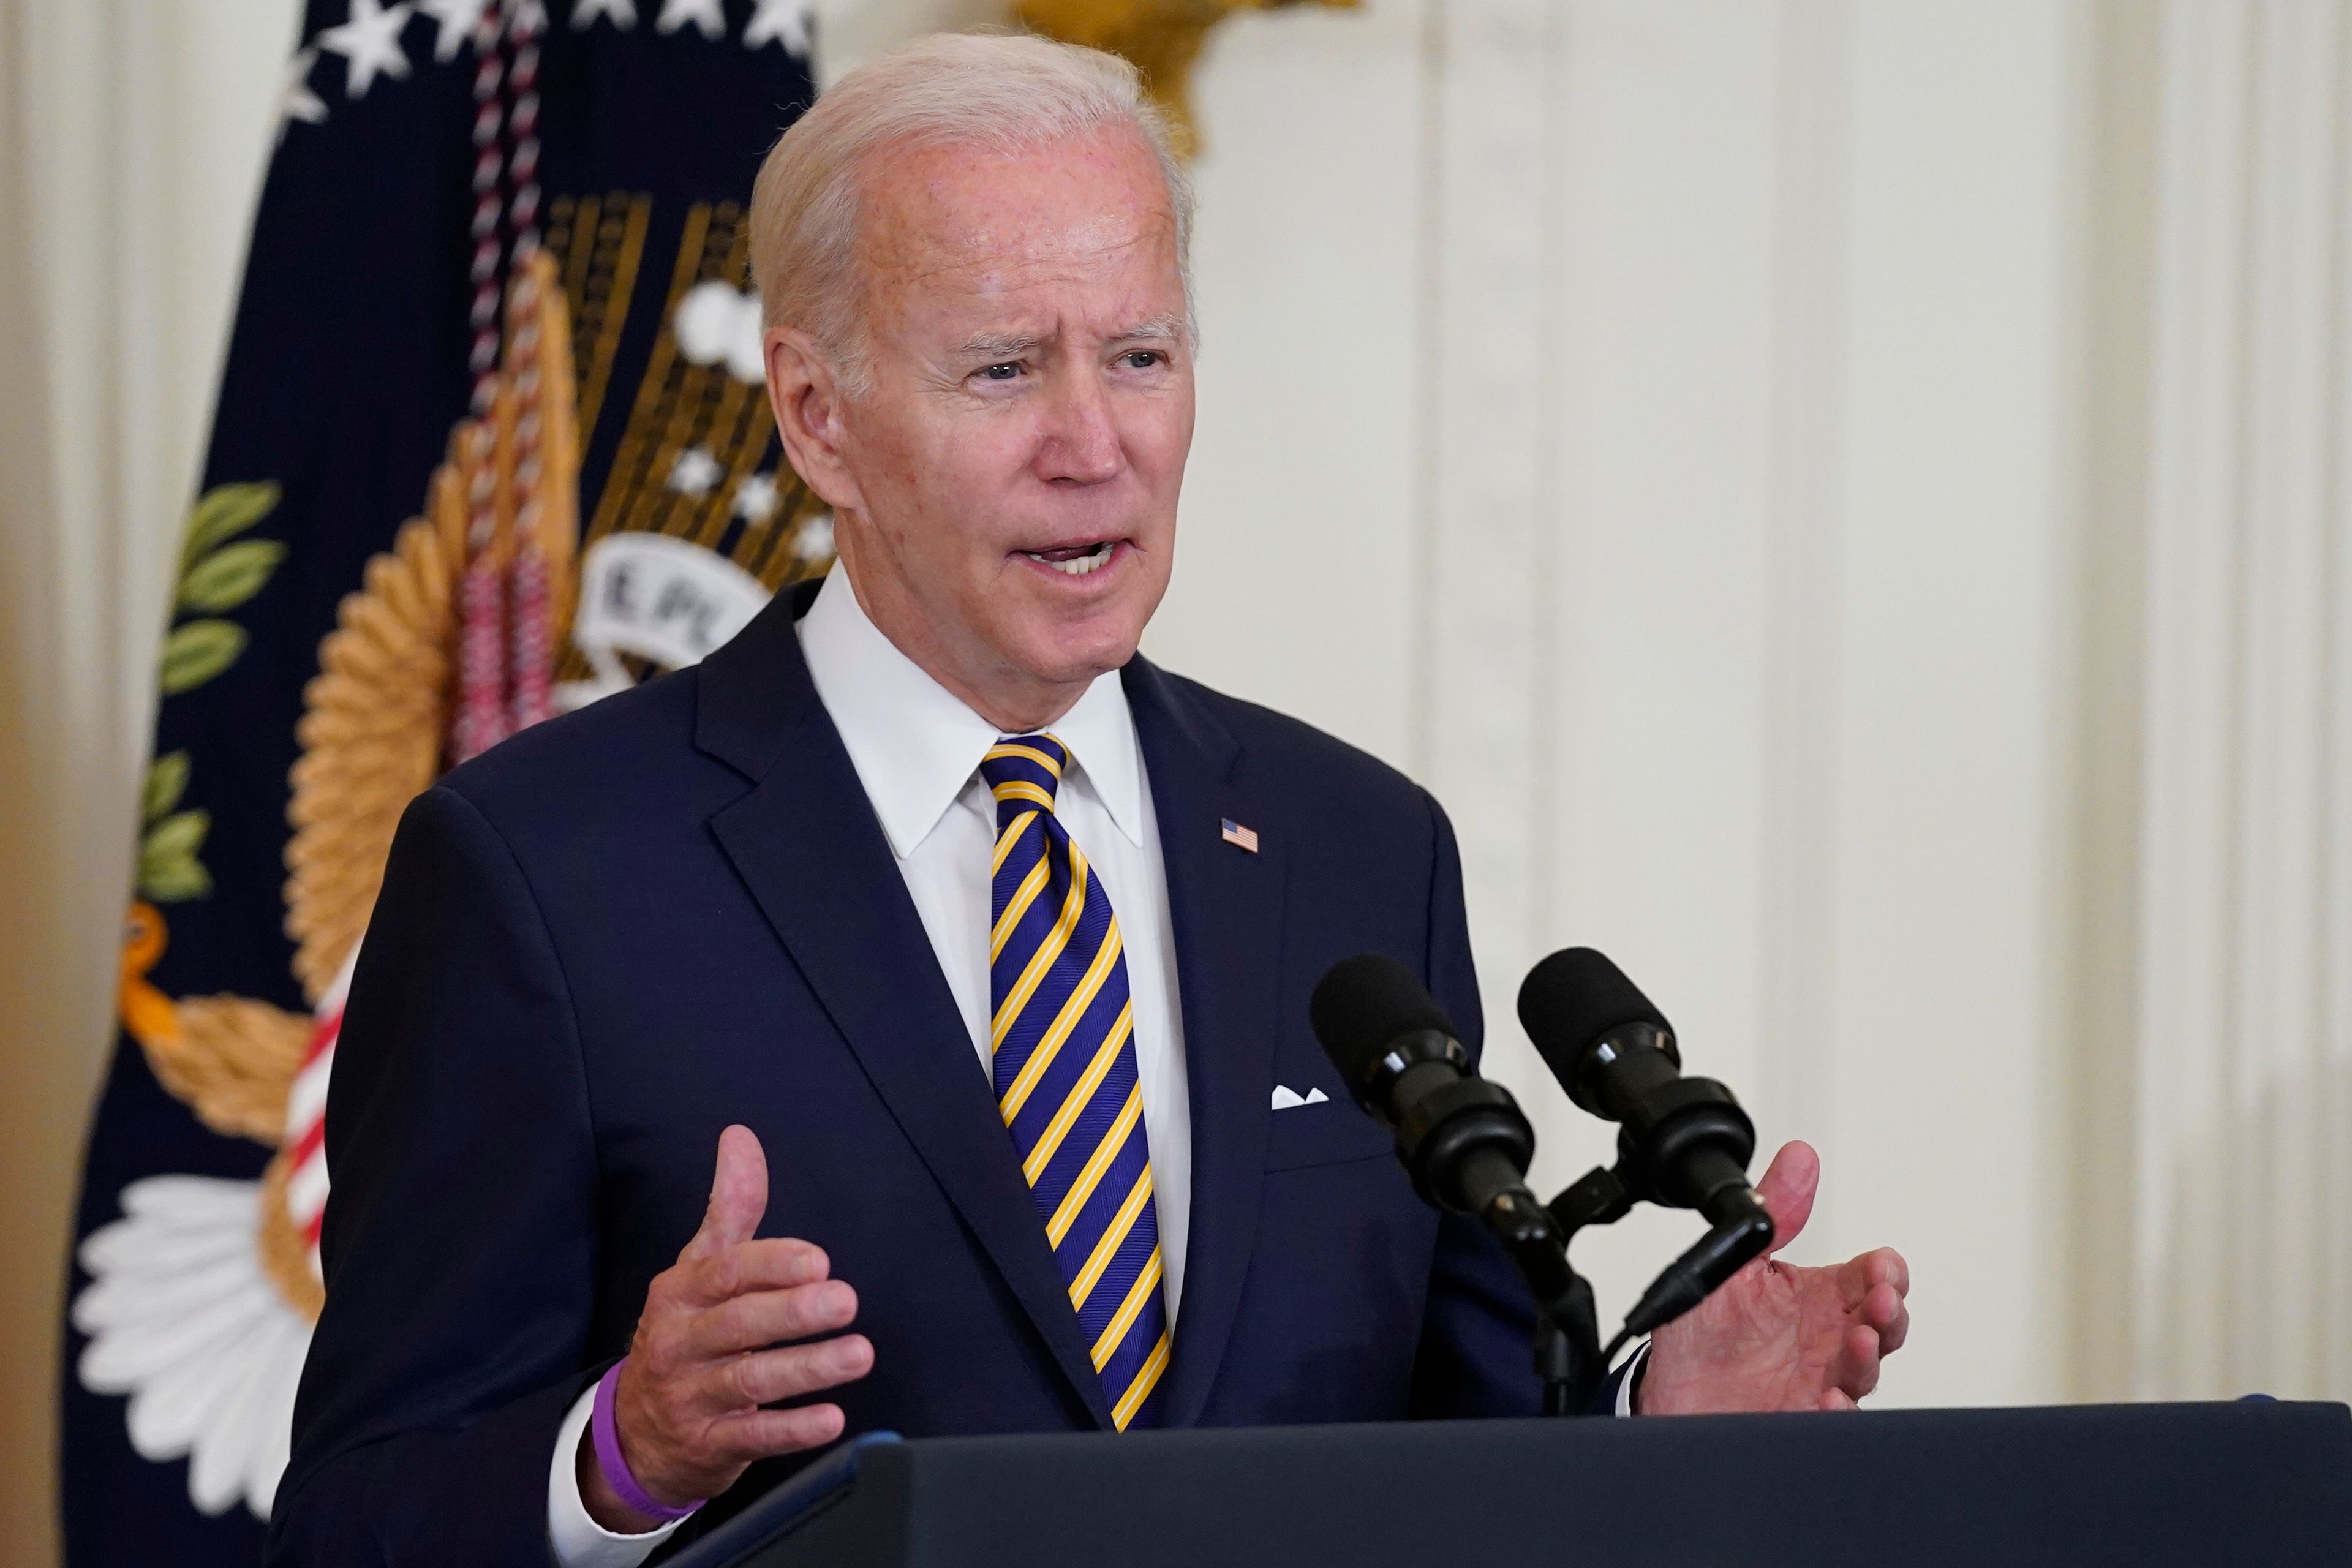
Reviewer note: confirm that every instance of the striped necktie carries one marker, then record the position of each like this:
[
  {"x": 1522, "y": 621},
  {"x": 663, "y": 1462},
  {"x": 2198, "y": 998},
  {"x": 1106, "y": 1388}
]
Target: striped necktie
[{"x": 1063, "y": 1059}]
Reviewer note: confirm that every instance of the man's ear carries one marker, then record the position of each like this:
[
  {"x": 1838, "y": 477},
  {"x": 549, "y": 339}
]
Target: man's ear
[{"x": 807, "y": 397}]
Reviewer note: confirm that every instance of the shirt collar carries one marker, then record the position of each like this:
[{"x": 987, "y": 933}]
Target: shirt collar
[{"x": 915, "y": 744}]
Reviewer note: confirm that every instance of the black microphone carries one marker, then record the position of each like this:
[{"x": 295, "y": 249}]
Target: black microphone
[
  {"x": 1465, "y": 1143},
  {"x": 1463, "y": 1140},
  {"x": 1682, "y": 1143}
]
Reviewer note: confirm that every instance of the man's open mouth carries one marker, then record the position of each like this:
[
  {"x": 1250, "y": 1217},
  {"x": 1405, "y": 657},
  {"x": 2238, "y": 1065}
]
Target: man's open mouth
[{"x": 1075, "y": 560}]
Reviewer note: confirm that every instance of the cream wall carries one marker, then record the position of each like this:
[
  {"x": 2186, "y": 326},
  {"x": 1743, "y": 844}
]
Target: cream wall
[
  {"x": 1654, "y": 427},
  {"x": 1710, "y": 444},
  {"x": 2244, "y": 1239}
]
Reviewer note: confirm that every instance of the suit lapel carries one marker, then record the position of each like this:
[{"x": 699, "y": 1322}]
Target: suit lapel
[
  {"x": 1226, "y": 904},
  {"x": 806, "y": 842}
]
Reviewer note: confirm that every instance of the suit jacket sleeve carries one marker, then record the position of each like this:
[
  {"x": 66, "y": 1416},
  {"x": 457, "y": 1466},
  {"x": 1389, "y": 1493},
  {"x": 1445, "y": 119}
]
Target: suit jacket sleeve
[
  {"x": 460, "y": 1239},
  {"x": 1476, "y": 1356}
]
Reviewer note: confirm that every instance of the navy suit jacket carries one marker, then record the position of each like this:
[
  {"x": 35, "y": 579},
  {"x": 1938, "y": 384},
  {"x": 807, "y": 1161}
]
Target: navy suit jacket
[{"x": 602, "y": 941}]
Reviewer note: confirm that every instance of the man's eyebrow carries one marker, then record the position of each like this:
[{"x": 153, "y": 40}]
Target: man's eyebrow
[
  {"x": 1157, "y": 327},
  {"x": 1003, "y": 346},
  {"x": 994, "y": 346}
]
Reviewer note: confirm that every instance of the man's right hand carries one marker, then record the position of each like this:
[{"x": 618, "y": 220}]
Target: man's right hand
[{"x": 708, "y": 1355}]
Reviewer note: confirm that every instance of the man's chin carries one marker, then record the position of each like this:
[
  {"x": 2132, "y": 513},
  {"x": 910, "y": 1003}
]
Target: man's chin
[
  {"x": 1077, "y": 637},
  {"x": 1072, "y": 655},
  {"x": 1064, "y": 669}
]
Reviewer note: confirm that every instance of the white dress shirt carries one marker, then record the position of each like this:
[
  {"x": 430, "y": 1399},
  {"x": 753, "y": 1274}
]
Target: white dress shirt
[{"x": 917, "y": 749}]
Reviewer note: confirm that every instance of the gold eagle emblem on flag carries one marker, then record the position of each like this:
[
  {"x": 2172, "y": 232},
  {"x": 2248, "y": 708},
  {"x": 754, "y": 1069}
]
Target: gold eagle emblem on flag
[{"x": 491, "y": 609}]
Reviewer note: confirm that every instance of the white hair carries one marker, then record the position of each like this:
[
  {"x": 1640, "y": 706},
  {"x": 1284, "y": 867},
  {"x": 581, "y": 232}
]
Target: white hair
[{"x": 1006, "y": 92}]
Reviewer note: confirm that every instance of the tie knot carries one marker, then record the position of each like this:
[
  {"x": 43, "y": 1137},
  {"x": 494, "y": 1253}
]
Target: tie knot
[{"x": 1026, "y": 768}]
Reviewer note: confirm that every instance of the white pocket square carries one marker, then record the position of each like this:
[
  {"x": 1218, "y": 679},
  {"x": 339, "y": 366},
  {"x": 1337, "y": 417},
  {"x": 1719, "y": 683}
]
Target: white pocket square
[{"x": 1285, "y": 1097}]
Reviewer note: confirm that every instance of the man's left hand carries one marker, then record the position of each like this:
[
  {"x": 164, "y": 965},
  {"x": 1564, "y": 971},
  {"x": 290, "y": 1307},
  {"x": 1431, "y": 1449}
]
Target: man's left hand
[{"x": 1777, "y": 1337}]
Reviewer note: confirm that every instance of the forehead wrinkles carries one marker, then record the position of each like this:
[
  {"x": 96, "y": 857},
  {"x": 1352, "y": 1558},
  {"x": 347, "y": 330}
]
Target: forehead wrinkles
[
  {"x": 1088, "y": 256},
  {"x": 993, "y": 223}
]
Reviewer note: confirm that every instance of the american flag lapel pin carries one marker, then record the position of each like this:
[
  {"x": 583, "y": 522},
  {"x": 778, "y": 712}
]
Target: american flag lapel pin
[{"x": 1243, "y": 838}]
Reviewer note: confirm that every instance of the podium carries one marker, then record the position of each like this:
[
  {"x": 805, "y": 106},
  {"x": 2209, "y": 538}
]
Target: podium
[{"x": 2151, "y": 1485}]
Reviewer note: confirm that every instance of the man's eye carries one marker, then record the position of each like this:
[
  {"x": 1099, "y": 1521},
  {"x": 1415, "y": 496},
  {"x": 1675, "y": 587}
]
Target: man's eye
[
  {"x": 1142, "y": 359},
  {"x": 1004, "y": 372}
]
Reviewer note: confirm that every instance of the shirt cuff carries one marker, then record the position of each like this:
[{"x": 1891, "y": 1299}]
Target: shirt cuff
[
  {"x": 578, "y": 1542},
  {"x": 1625, "y": 1385}
]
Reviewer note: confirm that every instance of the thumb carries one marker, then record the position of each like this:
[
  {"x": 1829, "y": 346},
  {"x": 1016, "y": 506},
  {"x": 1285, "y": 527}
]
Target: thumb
[
  {"x": 1788, "y": 1188},
  {"x": 739, "y": 1195}
]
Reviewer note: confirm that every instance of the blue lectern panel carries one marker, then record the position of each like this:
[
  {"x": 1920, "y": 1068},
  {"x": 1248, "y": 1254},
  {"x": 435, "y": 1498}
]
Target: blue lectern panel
[{"x": 2150, "y": 1486}]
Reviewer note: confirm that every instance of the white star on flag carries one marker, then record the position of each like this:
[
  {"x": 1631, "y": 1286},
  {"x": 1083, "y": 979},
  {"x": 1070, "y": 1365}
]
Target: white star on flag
[
  {"x": 695, "y": 472},
  {"x": 369, "y": 44},
  {"x": 755, "y": 497},
  {"x": 299, "y": 103},
  {"x": 457, "y": 19},
  {"x": 704, "y": 14},
  {"x": 785, "y": 22},
  {"x": 621, "y": 14}
]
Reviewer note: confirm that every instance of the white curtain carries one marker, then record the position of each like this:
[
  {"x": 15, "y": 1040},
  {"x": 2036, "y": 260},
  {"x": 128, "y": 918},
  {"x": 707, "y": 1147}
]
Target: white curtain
[
  {"x": 2244, "y": 1065},
  {"x": 133, "y": 136}
]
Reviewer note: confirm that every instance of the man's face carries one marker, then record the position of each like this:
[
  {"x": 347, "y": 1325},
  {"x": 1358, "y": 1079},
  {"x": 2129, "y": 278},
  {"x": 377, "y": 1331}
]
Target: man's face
[{"x": 1014, "y": 465}]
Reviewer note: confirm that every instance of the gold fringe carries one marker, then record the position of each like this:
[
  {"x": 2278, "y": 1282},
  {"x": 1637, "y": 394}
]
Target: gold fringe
[{"x": 1162, "y": 39}]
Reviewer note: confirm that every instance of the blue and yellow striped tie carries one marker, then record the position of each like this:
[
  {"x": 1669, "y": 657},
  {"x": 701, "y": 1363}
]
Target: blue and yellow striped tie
[{"x": 1062, "y": 1055}]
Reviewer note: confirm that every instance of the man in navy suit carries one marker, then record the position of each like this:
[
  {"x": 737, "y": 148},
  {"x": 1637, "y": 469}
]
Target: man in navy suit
[{"x": 975, "y": 950}]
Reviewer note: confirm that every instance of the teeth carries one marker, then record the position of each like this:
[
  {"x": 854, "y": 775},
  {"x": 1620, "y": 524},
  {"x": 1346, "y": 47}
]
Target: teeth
[{"x": 1078, "y": 565}]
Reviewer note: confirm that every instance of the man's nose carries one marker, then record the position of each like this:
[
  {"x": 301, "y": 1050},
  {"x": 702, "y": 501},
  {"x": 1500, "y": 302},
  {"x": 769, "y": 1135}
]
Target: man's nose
[{"x": 1081, "y": 442}]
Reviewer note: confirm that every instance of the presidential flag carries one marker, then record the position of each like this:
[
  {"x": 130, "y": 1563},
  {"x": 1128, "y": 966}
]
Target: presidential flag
[{"x": 491, "y": 443}]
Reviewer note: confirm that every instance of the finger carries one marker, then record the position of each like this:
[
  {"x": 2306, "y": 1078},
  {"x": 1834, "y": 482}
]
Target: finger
[
  {"x": 773, "y": 1263},
  {"x": 761, "y": 1433},
  {"x": 764, "y": 1317},
  {"x": 739, "y": 1195},
  {"x": 1858, "y": 1362},
  {"x": 1890, "y": 1315},
  {"x": 1856, "y": 1278},
  {"x": 1788, "y": 1189},
  {"x": 1838, "y": 1399},
  {"x": 763, "y": 1377}
]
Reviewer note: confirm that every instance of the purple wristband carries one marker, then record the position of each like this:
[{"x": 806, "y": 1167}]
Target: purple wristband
[{"x": 615, "y": 1468}]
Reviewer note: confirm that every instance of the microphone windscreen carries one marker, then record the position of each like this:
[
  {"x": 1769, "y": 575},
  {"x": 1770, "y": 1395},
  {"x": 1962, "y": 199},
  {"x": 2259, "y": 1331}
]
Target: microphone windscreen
[
  {"x": 1363, "y": 1004},
  {"x": 1574, "y": 997}
]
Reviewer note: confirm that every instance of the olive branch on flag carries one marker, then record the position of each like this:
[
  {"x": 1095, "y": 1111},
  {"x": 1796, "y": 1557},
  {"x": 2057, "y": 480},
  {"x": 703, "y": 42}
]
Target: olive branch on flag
[{"x": 216, "y": 577}]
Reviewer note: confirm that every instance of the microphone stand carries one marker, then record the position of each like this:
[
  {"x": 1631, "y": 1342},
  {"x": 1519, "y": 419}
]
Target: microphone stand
[
  {"x": 1569, "y": 1356},
  {"x": 1567, "y": 1351},
  {"x": 1568, "y": 1335}
]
